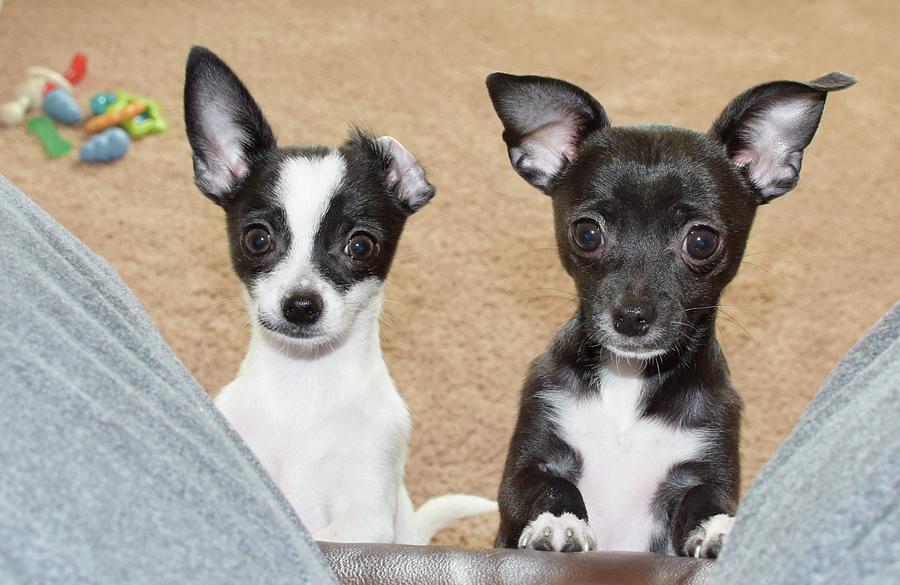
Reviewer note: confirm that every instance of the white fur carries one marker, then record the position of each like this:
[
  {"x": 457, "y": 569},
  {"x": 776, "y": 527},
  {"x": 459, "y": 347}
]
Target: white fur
[
  {"x": 322, "y": 415},
  {"x": 305, "y": 188},
  {"x": 713, "y": 530},
  {"x": 636, "y": 355},
  {"x": 330, "y": 429},
  {"x": 625, "y": 457},
  {"x": 559, "y": 530}
]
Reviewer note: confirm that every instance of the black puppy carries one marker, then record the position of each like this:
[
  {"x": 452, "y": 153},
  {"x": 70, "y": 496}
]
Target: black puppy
[{"x": 627, "y": 437}]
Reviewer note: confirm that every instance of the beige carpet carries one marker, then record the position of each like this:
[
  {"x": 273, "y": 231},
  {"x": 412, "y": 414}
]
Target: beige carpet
[{"x": 476, "y": 290}]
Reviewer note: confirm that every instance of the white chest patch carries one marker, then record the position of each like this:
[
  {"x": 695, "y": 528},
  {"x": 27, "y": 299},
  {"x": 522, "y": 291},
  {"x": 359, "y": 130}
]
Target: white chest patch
[
  {"x": 332, "y": 433},
  {"x": 624, "y": 459}
]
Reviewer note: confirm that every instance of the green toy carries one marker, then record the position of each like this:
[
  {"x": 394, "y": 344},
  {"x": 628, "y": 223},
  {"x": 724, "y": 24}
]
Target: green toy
[
  {"x": 150, "y": 122},
  {"x": 55, "y": 145}
]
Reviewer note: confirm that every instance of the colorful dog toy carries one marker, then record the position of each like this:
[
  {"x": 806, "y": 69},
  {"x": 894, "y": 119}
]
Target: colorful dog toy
[
  {"x": 75, "y": 73},
  {"x": 114, "y": 116},
  {"x": 101, "y": 102},
  {"x": 62, "y": 107},
  {"x": 54, "y": 144},
  {"x": 77, "y": 69},
  {"x": 40, "y": 81},
  {"x": 29, "y": 94},
  {"x": 109, "y": 145},
  {"x": 150, "y": 122}
]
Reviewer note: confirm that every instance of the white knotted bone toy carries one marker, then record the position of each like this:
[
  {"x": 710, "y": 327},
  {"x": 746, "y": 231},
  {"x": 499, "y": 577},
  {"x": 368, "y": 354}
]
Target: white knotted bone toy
[{"x": 29, "y": 94}]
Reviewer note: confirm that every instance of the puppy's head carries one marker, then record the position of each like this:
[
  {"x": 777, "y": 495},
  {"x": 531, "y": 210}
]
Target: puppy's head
[
  {"x": 312, "y": 230},
  {"x": 652, "y": 221}
]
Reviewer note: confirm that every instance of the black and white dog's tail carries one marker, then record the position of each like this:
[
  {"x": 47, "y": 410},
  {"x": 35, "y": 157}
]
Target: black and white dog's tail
[{"x": 439, "y": 511}]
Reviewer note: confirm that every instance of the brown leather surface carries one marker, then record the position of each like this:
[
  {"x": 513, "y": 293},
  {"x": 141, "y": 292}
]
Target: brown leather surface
[{"x": 358, "y": 564}]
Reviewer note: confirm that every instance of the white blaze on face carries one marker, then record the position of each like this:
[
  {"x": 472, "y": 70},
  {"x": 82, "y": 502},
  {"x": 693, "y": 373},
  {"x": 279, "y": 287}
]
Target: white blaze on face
[{"x": 305, "y": 189}]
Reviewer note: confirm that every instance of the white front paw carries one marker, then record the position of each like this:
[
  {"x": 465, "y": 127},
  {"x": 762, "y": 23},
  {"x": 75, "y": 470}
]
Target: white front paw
[
  {"x": 707, "y": 539},
  {"x": 565, "y": 533}
]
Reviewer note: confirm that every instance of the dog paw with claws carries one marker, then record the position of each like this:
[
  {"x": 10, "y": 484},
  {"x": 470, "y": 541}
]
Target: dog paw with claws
[
  {"x": 706, "y": 540},
  {"x": 564, "y": 533}
]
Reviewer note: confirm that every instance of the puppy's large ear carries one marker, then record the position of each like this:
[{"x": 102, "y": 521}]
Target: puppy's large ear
[
  {"x": 405, "y": 176},
  {"x": 225, "y": 127},
  {"x": 766, "y": 128},
  {"x": 544, "y": 123}
]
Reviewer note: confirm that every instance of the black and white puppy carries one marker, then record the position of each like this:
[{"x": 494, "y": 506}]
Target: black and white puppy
[
  {"x": 627, "y": 436},
  {"x": 313, "y": 231}
]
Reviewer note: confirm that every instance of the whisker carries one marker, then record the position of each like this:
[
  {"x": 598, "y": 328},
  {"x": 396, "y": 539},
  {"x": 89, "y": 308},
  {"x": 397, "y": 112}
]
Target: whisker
[
  {"x": 711, "y": 307},
  {"x": 540, "y": 297},
  {"x": 721, "y": 337},
  {"x": 555, "y": 309},
  {"x": 392, "y": 318},
  {"x": 766, "y": 270},
  {"x": 227, "y": 300},
  {"x": 731, "y": 319},
  {"x": 568, "y": 293}
]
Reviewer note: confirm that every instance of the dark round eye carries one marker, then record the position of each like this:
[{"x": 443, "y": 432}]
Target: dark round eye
[
  {"x": 701, "y": 242},
  {"x": 257, "y": 240},
  {"x": 361, "y": 247},
  {"x": 587, "y": 234}
]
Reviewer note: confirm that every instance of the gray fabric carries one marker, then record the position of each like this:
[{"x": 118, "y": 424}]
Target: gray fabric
[
  {"x": 114, "y": 465},
  {"x": 825, "y": 508}
]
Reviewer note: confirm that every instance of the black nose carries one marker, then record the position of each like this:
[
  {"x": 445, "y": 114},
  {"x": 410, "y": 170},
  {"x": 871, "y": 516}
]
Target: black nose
[
  {"x": 634, "y": 319},
  {"x": 302, "y": 308}
]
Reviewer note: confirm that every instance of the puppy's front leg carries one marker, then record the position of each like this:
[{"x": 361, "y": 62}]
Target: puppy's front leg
[
  {"x": 363, "y": 510},
  {"x": 540, "y": 506},
  {"x": 702, "y": 523},
  {"x": 542, "y": 511},
  {"x": 563, "y": 527}
]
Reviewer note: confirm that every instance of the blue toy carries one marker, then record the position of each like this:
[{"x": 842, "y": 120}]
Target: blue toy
[
  {"x": 109, "y": 145},
  {"x": 101, "y": 102},
  {"x": 62, "y": 107}
]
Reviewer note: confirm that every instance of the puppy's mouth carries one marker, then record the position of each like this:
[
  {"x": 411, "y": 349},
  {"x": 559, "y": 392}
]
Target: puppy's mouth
[
  {"x": 635, "y": 354},
  {"x": 293, "y": 332},
  {"x": 654, "y": 344}
]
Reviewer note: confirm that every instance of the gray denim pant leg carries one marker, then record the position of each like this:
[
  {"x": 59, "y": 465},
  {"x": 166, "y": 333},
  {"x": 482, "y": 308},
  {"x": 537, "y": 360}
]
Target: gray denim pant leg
[
  {"x": 826, "y": 508},
  {"x": 115, "y": 466}
]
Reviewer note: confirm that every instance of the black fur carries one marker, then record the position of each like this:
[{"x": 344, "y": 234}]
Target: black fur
[
  {"x": 361, "y": 203},
  {"x": 646, "y": 187},
  {"x": 208, "y": 77}
]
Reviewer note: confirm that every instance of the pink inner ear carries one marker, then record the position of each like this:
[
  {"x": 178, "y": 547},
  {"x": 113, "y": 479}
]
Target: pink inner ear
[
  {"x": 405, "y": 173},
  {"x": 743, "y": 158},
  {"x": 550, "y": 145},
  {"x": 774, "y": 139},
  {"x": 225, "y": 144},
  {"x": 557, "y": 136}
]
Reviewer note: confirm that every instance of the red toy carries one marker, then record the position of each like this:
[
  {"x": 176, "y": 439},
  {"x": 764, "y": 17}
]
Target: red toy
[{"x": 75, "y": 73}]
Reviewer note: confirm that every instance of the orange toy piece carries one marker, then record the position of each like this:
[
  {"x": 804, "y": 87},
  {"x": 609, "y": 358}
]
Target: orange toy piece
[{"x": 114, "y": 118}]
